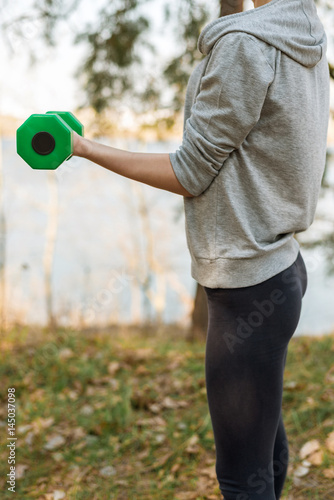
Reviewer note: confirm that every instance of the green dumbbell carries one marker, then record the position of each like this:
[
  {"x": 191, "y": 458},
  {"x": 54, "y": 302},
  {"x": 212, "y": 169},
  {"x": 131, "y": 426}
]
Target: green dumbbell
[{"x": 46, "y": 141}]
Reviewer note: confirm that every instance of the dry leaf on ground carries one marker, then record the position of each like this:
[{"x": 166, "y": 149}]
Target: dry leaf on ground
[
  {"x": 309, "y": 448},
  {"x": 20, "y": 470},
  {"x": 330, "y": 441},
  {"x": 329, "y": 473},
  {"x": 54, "y": 441},
  {"x": 113, "y": 367},
  {"x": 301, "y": 471},
  {"x": 316, "y": 458}
]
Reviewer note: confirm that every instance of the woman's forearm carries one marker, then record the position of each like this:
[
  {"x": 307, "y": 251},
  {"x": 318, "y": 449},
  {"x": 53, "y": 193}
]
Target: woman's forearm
[{"x": 154, "y": 169}]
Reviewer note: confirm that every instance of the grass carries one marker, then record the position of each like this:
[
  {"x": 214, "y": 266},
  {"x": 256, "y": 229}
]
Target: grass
[{"x": 122, "y": 414}]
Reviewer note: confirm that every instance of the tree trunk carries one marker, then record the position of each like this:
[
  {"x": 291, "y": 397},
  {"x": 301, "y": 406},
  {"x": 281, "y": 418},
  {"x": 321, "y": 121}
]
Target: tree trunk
[
  {"x": 50, "y": 241},
  {"x": 2, "y": 246},
  {"x": 199, "y": 324},
  {"x": 228, "y": 7}
]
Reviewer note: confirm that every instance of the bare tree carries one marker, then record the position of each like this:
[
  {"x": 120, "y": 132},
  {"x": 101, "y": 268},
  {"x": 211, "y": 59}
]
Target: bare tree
[
  {"x": 228, "y": 7},
  {"x": 50, "y": 240},
  {"x": 2, "y": 245}
]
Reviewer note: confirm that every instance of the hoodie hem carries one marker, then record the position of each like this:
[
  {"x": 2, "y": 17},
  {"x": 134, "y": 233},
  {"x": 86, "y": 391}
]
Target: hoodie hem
[{"x": 244, "y": 272}]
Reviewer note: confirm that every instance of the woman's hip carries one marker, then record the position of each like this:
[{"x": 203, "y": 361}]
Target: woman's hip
[{"x": 270, "y": 309}]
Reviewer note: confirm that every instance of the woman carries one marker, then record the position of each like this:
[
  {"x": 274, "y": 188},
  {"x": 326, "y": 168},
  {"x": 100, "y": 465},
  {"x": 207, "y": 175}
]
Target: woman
[{"x": 249, "y": 169}]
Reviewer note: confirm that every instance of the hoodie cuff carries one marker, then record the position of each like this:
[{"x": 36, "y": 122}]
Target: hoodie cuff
[{"x": 194, "y": 180}]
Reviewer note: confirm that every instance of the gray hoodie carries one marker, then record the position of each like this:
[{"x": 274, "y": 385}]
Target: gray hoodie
[{"x": 254, "y": 145}]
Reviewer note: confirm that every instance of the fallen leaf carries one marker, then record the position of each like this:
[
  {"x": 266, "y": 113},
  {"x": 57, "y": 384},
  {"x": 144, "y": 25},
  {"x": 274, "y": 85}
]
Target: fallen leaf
[
  {"x": 168, "y": 479},
  {"x": 329, "y": 422},
  {"x": 159, "y": 462},
  {"x": 192, "y": 444},
  {"x": 329, "y": 473},
  {"x": 301, "y": 471},
  {"x": 114, "y": 383},
  {"x": 154, "y": 408},
  {"x": 193, "y": 440},
  {"x": 183, "y": 404},
  {"x": 58, "y": 494},
  {"x": 144, "y": 353},
  {"x": 20, "y": 470},
  {"x": 37, "y": 395},
  {"x": 78, "y": 433},
  {"x": 78, "y": 385},
  {"x": 329, "y": 377},
  {"x": 22, "y": 429},
  {"x": 169, "y": 403},
  {"x": 65, "y": 353},
  {"x": 160, "y": 438},
  {"x": 292, "y": 385},
  {"x": 316, "y": 458},
  {"x": 102, "y": 404},
  {"x": 29, "y": 438},
  {"x": 328, "y": 395},
  {"x": 108, "y": 471},
  {"x": 113, "y": 367},
  {"x": 309, "y": 448},
  {"x": 210, "y": 471},
  {"x": 330, "y": 441},
  {"x": 186, "y": 495},
  {"x": 86, "y": 410},
  {"x": 202, "y": 485},
  {"x": 297, "y": 481},
  {"x": 73, "y": 395},
  {"x": 154, "y": 422},
  {"x": 58, "y": 457},
  {"x": 142, "y": 370},
  {"x": 175, "y": 467},
  {"x": 42, "y": 423},
  {"x": 54, "y": 442},
  {"x": 122, "y": 482},
  {"x": 143, "y": 454}
]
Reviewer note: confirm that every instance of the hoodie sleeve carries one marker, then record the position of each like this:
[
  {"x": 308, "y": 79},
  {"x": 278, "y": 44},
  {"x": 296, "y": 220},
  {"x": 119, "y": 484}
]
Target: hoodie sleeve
[{"x": 227, "y": 107}]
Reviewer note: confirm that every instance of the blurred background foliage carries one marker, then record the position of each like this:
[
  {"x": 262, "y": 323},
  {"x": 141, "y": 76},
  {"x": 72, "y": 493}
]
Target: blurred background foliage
[{"x": 122, "y": 67}]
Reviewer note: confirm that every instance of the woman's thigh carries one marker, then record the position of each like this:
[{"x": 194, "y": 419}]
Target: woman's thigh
[{"x": 248, "y": 333}]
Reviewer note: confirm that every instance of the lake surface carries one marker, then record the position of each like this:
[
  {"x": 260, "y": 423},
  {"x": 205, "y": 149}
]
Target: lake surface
[{"x": 120, "y": 253}]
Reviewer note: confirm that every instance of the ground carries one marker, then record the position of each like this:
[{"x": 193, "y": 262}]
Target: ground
[{"x": 122, "y": 414}]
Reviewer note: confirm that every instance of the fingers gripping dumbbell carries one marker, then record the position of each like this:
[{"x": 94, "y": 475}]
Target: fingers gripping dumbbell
[{"x": 46, "y": 141}]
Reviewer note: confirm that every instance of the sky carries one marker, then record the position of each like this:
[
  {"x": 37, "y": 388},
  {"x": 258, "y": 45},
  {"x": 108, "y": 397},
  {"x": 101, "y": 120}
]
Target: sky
[{"x": 52, "y": 85}]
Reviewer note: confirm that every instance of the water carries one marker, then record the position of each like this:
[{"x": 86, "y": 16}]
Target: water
[{"x": 112, "y": 262}]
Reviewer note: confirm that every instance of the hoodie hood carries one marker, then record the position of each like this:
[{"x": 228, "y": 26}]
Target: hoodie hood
[{"x": 292, "y": 26}]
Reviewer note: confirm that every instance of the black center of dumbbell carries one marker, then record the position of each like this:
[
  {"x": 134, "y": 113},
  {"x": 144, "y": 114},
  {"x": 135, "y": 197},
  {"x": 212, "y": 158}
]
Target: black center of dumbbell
[{"x": 43, "y": 143}]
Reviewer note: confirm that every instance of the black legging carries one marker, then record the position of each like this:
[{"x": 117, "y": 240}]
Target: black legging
[{"x": 247, "y": 340}]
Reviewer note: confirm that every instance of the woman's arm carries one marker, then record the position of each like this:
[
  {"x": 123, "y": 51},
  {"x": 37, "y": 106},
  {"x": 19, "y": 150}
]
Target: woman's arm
[{"x": 154, "y": 169}]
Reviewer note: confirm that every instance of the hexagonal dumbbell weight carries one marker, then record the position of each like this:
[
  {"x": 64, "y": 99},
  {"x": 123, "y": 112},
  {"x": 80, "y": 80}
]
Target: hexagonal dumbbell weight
[{"x": 46, "y": 141}]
